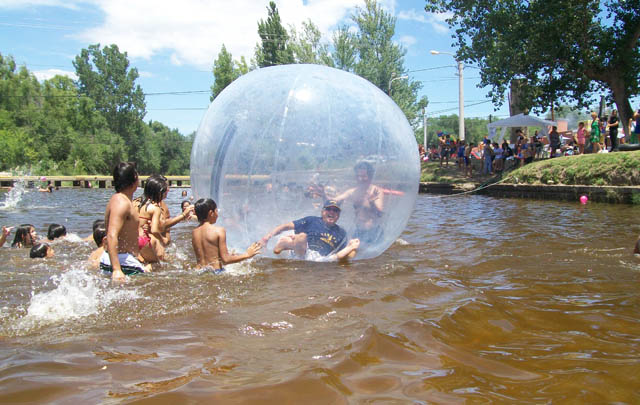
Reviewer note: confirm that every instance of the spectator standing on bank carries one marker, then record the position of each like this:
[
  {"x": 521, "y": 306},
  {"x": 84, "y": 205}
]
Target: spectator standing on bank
[
  {"x": 594, "y": 135},
  {"x": 613, "y": 130},
  {"x": 554, "y": 141},
  {"x": 635, "y": 135},
  {"x": 487, "y": 157},
  {"x": 582, "y": 137}
]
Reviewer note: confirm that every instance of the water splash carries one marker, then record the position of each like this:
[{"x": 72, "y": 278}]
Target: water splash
[
  {"x": 14, "y": 196},
  {"x": 77, "y": 294}
]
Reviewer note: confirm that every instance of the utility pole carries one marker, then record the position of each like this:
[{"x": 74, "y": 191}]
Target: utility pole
[
  {"x": 424, "y": 125},
  {"x": 460, "y": 93}
]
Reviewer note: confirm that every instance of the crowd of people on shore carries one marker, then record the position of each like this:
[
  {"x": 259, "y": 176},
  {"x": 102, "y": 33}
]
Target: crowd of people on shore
[
  {"x": 599, "y": 135},
  {"x": 135, "y": 232}
]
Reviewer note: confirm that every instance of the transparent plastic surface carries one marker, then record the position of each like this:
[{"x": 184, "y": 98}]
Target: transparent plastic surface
[{"x": 279, "y": 140}]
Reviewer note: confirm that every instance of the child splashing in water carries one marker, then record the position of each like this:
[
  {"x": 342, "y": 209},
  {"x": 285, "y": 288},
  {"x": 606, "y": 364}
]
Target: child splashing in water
[
  {"x": 41, "y": 250},
  {"x": 210, "y": 242},
  {"x": 25, "y": 236},
  {"x": 148, "y": 206},
  {"x": 153, "y": 223}
]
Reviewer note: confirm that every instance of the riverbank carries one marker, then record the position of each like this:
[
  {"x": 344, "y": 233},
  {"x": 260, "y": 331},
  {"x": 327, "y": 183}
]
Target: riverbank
[{"x": 606, "y": 177}]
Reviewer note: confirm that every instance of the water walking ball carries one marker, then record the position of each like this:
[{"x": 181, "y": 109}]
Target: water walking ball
[
  {"x": 279, "y": 140},
  {"x": 584, "y": 199}
]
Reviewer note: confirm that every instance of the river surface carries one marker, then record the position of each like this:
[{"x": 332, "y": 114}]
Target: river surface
[{"x": 480, "y": 300}]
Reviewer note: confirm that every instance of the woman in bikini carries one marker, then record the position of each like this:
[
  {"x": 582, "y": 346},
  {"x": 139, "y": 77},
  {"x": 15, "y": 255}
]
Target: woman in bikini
[
  {"x": 154, "y": 219},
  {"x": 150, "y": 240}
]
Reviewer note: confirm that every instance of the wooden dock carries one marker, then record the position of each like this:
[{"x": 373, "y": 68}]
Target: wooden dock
[{"x": 81, "y": 181}]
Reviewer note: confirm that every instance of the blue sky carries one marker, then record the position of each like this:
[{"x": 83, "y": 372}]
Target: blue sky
[{"x": 173, "y": 45}]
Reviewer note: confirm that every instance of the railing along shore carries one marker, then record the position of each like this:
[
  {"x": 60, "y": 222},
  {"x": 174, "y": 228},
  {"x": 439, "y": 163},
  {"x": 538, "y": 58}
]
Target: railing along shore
[{"x": 87, "y": 181}]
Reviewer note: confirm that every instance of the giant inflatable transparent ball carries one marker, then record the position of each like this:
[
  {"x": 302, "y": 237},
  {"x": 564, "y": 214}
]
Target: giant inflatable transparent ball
[{"x": 278, "y": 141}]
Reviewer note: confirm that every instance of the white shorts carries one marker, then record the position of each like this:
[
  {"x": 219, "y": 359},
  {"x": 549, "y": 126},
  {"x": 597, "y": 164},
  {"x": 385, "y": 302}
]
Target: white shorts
[{"x": 128, "y": 263}]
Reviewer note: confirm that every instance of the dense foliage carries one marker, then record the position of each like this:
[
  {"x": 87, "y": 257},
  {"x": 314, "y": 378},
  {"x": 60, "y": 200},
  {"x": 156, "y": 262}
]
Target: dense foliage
[
  {"x": 557, "y": 50},
  {"x": 475, "y": 128},
  {"x": 59, "y": 126}
]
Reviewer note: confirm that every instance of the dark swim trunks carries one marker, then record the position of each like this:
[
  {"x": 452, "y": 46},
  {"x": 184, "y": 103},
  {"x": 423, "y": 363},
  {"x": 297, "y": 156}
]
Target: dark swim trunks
[
  {"x": 128, "y": 263},
  {"x": 212, "y": 270}
]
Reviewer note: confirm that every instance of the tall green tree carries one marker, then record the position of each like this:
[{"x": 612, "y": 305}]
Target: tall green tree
[
  {"x": 307, "y": 46},
  {"x": 224, "y": 72},
  {"x": 105, "y": 76},
  {"x": 274, "y": 47},
  {"x": 560, "y": 50},
  {"x": 344, "y": 49},
  {"x": 380, "y": 59}
]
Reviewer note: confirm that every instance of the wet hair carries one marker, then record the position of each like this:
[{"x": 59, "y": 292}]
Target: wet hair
[
  {"x": 154, "y": 190},
  {"x": 364, "y": 166},
  {"x": 203, "y": 206},
  {"x": 124, "y": 175},
  {"x": 23, "y": 236},
  {"x": 39, "y": 251},
  {"x": 56, "y": 231},
  {"x": 99, "y": 233},
  {"x": 183, "y": 203},
  {"x": 97, "y": 223}
]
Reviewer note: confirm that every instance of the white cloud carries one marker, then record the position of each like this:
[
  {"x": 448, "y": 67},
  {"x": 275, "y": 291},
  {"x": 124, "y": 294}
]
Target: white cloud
[
  {"x": 42, "y": 75},
  {"x": 193, "y": 31},
  {"x": 436, "y": 21},
  {"x": 408, "y": 40}
]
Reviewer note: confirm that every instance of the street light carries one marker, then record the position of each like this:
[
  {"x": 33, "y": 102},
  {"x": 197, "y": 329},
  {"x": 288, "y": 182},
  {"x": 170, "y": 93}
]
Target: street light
[
  {"x": 395, "y": 78},
  {"x": 460, "y": 93}
]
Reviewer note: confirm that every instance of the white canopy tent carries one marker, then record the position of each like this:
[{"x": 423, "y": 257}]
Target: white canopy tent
[{"x": 520, "y": 120}]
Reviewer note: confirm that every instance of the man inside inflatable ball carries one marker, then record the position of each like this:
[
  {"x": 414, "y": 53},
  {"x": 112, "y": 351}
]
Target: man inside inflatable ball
[
  {"x": 368, "y": 202},
  {"x": 320, "y": 234}
]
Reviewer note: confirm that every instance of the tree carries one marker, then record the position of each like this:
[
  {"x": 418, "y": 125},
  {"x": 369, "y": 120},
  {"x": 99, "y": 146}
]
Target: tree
[
  {"x": 380, "y": 59},
  {"x": 307, "y": 47},
  {"x": 104, "y": 75},
  {"x": 274, "y": 48},
  {"x": 224, "y": 72},
  {"x": 345, "y": 52},
  {"x": 561, "y": 50}
]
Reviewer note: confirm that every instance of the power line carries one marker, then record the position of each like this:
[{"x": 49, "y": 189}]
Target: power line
[
  {"x": 433, "y": 68},
  {"x": 178, "y": 109},
  {"x": 456, "y": 108},
  {"x": 451, "y": 102},
  {"x": 177, "y": 93}
]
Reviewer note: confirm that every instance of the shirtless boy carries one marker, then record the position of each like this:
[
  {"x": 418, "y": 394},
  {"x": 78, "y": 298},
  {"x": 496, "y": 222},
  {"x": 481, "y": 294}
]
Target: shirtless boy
[
  {"x": 121, "y": 218},
  {"x": 210, "y": 241},
  {"x": 100, "y": 237}
]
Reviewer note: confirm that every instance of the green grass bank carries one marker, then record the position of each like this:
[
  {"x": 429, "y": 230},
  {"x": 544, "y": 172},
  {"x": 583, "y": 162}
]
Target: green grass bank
[
  {"x": 602, "y": 169},
  {"x": 607, "y": 177}
]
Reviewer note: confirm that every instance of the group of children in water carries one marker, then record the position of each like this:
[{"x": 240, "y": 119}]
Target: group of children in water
[
  {"x": 27, "y": 237},
  {"x": 135, "y": 232}
]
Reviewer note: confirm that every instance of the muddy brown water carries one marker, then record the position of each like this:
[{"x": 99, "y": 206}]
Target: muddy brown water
[{"x": 481, "y": 300}]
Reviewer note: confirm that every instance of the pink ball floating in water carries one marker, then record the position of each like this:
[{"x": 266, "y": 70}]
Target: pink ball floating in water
[{"x": 584, "y": 199}]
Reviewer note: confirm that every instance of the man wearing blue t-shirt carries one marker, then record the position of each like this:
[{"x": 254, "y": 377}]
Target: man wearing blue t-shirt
[{"x": 321, "y": 234}]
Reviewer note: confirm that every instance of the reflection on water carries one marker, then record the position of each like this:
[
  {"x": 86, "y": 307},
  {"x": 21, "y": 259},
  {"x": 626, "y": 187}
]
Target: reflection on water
[{"x": 480, "y": 300}]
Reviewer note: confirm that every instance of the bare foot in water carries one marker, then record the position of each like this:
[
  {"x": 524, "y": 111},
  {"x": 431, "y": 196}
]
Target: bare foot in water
[{"x": 285, "y": 242}]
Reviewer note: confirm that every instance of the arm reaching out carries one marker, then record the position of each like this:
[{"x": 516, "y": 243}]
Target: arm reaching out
[
  {"x": 228, "y": 258},
  {"x": 5, "y": 233},
  {"x": 277, "y": 230}
]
